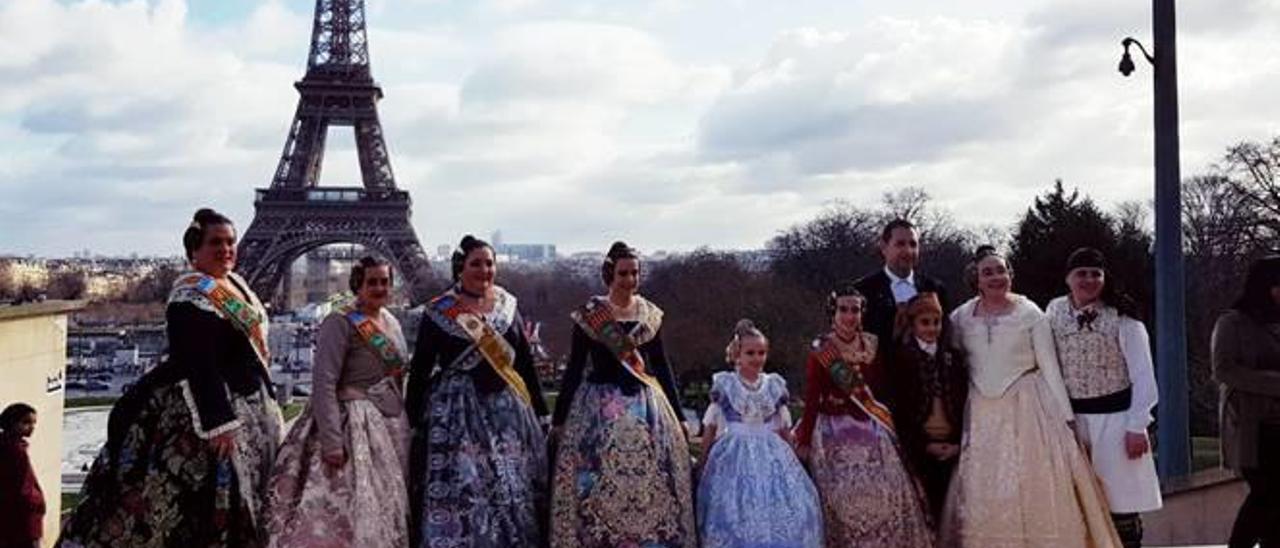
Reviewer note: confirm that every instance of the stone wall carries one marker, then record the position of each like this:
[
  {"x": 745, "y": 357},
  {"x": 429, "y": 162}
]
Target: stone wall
[{"x": 33, "y": 357}]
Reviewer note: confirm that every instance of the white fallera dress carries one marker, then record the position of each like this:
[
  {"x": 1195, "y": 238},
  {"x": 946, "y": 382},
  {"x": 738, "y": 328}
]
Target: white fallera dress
[{"x": 1022, "y": 479}]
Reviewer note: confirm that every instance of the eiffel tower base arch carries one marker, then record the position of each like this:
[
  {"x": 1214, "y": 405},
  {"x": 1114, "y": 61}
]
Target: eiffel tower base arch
[{"x": 288, "y": 224}]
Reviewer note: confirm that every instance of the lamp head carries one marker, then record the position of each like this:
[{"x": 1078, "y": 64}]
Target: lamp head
[{"x": 1126, "y": 62}]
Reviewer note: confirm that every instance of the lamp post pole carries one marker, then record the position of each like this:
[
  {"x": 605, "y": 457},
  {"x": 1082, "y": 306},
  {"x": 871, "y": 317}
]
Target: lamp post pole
[{"x": 1173, "y": 450}]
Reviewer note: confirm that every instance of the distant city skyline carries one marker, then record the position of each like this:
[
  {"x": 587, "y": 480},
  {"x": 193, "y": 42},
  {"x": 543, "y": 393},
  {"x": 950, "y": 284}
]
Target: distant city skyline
[{"x": 671, "y": 124}]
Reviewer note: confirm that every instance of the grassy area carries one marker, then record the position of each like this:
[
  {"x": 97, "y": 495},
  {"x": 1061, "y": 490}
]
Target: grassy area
[
  {"x": 292, "y": 410},
  {"x": 1204, "y": 454},
  {"x": 90, "y": 401},
  {"x": 70, "y": 501}
]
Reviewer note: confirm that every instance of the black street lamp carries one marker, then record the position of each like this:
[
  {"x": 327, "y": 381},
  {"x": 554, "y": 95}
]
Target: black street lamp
[
  {"x": 1173, "y": 451},
  {"x": 1126, "y": 62}
]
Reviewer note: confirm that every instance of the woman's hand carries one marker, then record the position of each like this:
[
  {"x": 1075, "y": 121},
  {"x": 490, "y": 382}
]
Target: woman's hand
[
  {"x": 942, "y": 451},
  {"x": 1136, "y": 444},
  {"x": 224, "y": 445},
  {"x": 335, "y": 460},
  {"x": 787, "y": 436},
  {"x": 802, "y": 451}
]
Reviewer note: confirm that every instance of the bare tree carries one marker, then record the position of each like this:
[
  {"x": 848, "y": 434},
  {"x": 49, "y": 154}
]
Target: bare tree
[
  {"x": 8, "y": 289},
  {"x": 1220, "y": 229},
  {"x": 1251, "y": 169},
  {"x": 67, "y": 284}
]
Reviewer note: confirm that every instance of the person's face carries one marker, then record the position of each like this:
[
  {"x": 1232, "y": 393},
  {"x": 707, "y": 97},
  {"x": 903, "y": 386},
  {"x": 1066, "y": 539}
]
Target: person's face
[
  {"x": 626, "y": 276},
  {"x": 216, "y": 255},
  {"x": 927, "y": 327},
  {"x": 902, "y": 251},
  {"x": 847, "y": 319},
  {"x": 376, "y": 286},
  {"x": 478, "y": 270},
  {"x": 1275, "y": 294},
  {"x": 752, "y": 353},
  {"x": 994, "y": 279},
  {"x": 27, "y": 425},
  {"x": 1086, "y": 284}
]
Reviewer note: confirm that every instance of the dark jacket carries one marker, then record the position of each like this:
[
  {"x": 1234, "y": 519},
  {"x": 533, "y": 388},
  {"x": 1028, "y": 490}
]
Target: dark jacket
[
  {"x": 437, "y": 348},
  {"x": 881, "y": 309},
  {"x": 606, "y": 369},
  {"x": 211, "y": 355},
  {"x": 916, "y": 379},
  {"x": 21, "y": 501},
  {"x": 1246, "y": 364}
]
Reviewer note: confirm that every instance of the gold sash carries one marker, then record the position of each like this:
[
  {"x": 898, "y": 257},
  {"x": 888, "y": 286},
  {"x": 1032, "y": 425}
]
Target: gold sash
[{"x": 492, "y": 345}]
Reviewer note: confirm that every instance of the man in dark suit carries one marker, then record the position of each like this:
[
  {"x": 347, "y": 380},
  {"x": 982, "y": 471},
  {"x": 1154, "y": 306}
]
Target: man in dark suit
[{"x": 893, "y": 285}]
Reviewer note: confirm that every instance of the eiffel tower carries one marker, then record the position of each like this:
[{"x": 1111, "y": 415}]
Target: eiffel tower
[{"x": 295, "y": 215}]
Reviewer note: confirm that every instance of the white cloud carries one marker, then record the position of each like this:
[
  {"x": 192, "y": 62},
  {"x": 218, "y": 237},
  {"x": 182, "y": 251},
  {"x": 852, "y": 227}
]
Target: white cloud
[{"x": 672, "y": 123}]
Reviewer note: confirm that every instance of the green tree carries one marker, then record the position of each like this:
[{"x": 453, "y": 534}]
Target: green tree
[{"x": 1054, "y": 226}]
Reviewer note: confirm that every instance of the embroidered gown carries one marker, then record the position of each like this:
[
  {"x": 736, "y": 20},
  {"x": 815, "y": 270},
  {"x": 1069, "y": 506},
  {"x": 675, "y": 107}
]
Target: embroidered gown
[
  {"x": 157, "y": 481},
  {"x": 622, "y": 469},
  {"x": 1022, "y": 480},
  {"x": 754, "y": 493},
  {"x": 356, "y": 409},
  {"x": 478, "y": 460},
  {"x": 868, "y": 497}
]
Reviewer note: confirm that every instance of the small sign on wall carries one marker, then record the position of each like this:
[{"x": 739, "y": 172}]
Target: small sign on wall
[{"x": 53, "y": 383}]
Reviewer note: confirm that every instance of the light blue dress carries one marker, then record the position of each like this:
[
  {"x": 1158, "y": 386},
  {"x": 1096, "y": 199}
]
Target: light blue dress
[{"x": 753, "y": 492}]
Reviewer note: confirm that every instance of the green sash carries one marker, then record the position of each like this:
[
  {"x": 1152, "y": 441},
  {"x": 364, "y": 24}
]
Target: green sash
[{"x": 848, "y": 378}]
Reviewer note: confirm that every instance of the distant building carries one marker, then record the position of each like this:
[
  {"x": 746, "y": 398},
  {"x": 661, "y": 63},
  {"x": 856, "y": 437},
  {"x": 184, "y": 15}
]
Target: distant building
[
  {"x": 29, "y": 273},
  {"x": 528, "y": 253},
  {"x": 126, "y": 356}
]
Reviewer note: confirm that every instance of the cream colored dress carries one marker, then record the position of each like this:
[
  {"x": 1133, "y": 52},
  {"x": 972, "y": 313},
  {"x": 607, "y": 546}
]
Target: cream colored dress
[{"x": 1022, "y": 480}]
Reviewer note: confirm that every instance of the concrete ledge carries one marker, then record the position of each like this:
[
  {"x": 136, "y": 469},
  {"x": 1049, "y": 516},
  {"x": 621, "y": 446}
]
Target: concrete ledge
[
  {"x": 1204, "y": 479},
  {"x": 1198, "y": 509},
  {"x": 19, "y": 311}
]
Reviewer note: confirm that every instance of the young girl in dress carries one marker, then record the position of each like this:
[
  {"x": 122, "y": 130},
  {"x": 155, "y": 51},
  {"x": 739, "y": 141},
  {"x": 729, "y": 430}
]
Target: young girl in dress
[{"x": 753, "y": 493}]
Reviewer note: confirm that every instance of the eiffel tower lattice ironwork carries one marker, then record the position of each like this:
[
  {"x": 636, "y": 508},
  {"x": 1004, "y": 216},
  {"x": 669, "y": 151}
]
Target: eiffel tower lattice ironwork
[{"x": 295, "y": 215}]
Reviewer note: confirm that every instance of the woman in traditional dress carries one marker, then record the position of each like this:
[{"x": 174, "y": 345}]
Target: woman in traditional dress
[
  {"x": 21, "y": 500},
  {"x": 622, "y": 468},
  {"x": 1106, "y": 367},
  {"x": 340, "y": 476},
  {"x": 190, "y": 446},
  {"x": 478, "y": 466},
  {"x": 868, "y": 496},
  {"x": 753, "y": 493},
  {"x": 1246, "y": 364},
  {"x": 1022, "y": 480},
  {"x": 930, "y": 385}
]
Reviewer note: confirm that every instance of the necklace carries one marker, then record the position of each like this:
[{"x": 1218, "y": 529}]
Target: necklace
[
  {"x": 628, "y": 312},
  {"x": 990, "y": 318},
  {"x": 751, "y": 385},
  {"x": 463, "y": 290},
  {"x": 854, "y": 350}
]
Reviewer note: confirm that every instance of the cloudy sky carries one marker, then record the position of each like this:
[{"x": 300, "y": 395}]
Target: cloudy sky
[{"x": 671, "y": 123}]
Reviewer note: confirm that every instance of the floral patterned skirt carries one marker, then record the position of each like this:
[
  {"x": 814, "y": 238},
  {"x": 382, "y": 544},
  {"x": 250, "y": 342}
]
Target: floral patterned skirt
[
  {"x": 478, "y": 473},
  {"x": 754, "y": 493},
  {"x": 868, "y": 497},
  {"x": 1022, "y": 480},
  {"x": 159, "y": 484},
  {"x": 363, "y": 503},
  {"x": 622, "y": 473}
]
